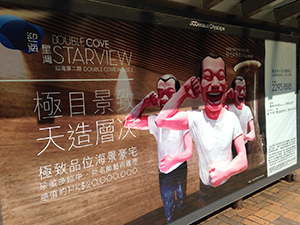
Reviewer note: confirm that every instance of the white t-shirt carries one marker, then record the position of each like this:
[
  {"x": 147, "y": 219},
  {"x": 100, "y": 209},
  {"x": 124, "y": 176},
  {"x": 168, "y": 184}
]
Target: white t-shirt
[
  {"x": 244, "y": 115},
  {"x": 213, "y": 139},
  {"x": 169, "y": 142}
]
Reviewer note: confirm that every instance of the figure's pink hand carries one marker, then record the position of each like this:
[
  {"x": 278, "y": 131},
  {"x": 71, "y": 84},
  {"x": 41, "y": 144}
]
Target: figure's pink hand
[
  {"x": 192, "y": 87},
  {"x": 211, "y": 169},
  {"x": 151, "y": 99},
  {"x": 166, "y": 163},
  {"x": 230, "y": 94},
  {"x": 217, "y": 175},
  {"x": 244, "y": 137}
]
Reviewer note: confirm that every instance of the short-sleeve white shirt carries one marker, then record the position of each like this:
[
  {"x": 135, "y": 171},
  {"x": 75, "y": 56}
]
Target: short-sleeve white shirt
[
  {"x": 244, "y": 115},
  {"x": 169, "y": 142},
  {"x": 213, "y": 139}
]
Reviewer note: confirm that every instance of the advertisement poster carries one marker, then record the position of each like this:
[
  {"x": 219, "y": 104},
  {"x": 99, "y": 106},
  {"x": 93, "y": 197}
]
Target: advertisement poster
[
  {"x": 281, "y": 112},
  {"x": 80, "y": 95}
]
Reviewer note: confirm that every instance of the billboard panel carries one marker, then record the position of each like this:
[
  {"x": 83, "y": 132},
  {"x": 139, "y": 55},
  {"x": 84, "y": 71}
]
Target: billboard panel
[
  {"x": 281, "y": 105},
  {"x": 81, "y": 95}
]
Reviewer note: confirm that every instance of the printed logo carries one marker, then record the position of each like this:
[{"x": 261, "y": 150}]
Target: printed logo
[{"x": 17, "y": 34}]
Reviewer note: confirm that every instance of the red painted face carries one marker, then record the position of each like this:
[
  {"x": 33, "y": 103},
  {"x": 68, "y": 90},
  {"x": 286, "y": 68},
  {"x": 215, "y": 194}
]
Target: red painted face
[
  {"x": 240, "y": 92},
  {"x": 165, "y": 91},
  {"x": 213, "y": 83}
]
